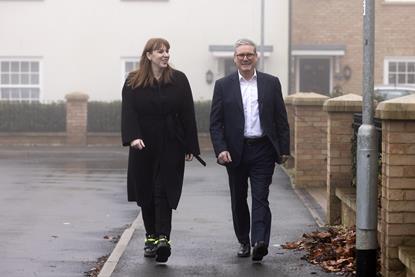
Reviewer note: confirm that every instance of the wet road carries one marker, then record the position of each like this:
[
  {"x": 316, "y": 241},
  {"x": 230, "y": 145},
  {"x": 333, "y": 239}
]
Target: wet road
[
  {"x": 56, "y": 206},
  {"x": 203, "y": 241}
]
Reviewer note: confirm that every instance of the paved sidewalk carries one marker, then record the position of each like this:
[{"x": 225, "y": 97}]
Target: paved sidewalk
[{"x": 203, "y": 241}]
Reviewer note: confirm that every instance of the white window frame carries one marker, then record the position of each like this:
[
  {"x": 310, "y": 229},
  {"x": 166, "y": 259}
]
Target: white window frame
[
  {"x": 388, "y": 60},
  {"x": 333, "y": 65},
  {"x": 124, "y": 61},
  {"x": 38, "y": 86},
  {"x": 400, "y": 1}
]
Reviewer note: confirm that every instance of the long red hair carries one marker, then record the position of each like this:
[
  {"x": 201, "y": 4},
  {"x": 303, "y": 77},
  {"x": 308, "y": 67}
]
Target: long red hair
[{"x": 143, "y": 76}]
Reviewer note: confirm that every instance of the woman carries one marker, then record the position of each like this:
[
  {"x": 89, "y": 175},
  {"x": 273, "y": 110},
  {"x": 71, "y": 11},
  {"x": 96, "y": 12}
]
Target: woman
[{"x": 158, "y": 124}]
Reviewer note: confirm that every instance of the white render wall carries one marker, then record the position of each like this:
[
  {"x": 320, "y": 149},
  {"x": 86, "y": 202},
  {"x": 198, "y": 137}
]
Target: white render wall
[{"x": 81, "y": 43}]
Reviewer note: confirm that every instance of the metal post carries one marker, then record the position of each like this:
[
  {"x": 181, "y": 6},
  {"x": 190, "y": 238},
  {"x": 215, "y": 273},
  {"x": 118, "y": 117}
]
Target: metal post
[
  {"x": 289, "y": 46},
  {"x": 261, "y": 47},
  {"x": 367, "y": 156}
]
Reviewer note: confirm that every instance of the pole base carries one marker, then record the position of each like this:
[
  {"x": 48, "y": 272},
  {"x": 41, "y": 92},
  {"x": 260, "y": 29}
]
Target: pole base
[{"x": 366, "y": 263}]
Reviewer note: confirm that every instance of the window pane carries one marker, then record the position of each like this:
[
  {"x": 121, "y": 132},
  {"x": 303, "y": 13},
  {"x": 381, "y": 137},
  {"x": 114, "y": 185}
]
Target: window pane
[
  {"x": 392, "y": 67},
  {"x": 130, "y": 66},
  {"x": 34, "y": 79},
  {"x": 402, "y": 67},
  {"x": 411, "y": 67},
  {"x": 229, "y": 66},
  {"x": 5, "y": 66},
  {"x": 34, "y": 67},
  {"x": 5, "y": 93},
  {"x": 25, "y": 93},
  {"x": 24, "y": 67},
  {"x": 15, "y": 66},
  {"x": 14, "y": 93},
  {"x": 35, "y": 93},
  {"x": 392, "y": 79},
  {"x": 15, "y": 79},
  {"x": 411, "y": 78},
  {"x": 5, "y": 79},
  {"x": 401, "y": 79},
  {"x": 24, "y": 79}
]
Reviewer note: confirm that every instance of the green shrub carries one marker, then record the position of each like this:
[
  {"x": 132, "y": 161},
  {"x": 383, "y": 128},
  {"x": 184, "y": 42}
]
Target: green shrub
[
  {"x": 32, "y": 117},
  {"x": 202, "y": 111},
  {"x": 104, "y": 116},
  {"x": 51, "y": 117}
]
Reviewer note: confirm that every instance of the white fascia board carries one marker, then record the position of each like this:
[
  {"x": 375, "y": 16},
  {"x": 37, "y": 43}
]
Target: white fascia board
[{"x": 318, "y": 52}]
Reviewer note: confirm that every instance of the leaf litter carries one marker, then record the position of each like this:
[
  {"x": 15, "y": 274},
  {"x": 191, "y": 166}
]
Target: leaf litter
[{"x": 334, "y": 249}]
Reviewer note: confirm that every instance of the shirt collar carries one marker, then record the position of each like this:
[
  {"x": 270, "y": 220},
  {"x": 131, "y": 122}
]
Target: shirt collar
[{"x": 241, "y": 78}]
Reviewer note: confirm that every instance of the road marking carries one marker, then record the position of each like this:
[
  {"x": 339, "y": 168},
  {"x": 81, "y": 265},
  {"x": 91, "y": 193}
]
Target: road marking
[{"x": 119, "y": 249}]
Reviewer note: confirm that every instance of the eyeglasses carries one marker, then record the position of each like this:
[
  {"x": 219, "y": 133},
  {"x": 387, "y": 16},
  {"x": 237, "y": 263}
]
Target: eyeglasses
[{"x": 242, "y": 56}]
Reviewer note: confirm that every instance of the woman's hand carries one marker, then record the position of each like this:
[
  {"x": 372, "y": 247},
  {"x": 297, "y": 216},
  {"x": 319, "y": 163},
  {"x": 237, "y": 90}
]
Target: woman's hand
[
  {"x": 137, "y": 144},
  {"x": 188, "y": 157}
]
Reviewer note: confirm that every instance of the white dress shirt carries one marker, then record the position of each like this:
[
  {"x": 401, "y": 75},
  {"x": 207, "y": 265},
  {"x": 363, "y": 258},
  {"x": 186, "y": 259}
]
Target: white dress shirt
[{"x": 249, "y": 91}]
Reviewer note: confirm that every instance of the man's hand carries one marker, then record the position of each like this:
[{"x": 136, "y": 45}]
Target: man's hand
[
  {"x": 224, "y": 157},
  {"x": 284, "y": 158},
  {"x": 137, "y": 144}
]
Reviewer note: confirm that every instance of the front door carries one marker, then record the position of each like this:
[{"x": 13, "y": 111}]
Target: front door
[{"x": 315, "y": 75}]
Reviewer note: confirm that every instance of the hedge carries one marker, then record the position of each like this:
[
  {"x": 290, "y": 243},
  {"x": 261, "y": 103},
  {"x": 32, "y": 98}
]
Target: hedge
[
  {"x": 102, "y": 116},
  {"x": 32, "y": 117},
  {"x": 106, "y": 116}
]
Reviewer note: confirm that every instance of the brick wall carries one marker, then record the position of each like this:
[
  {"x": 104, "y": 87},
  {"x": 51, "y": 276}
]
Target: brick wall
[
  {"x": 332, "y": 22},
  {"x": 310, "y": 139},
  {"x": 341, "y": 22},
  {"x": 339, "y": 155},
  {"x": 76, "y": 118},
  {"x": 291, "y": 121},
  {"x": 398, "y": 181}
]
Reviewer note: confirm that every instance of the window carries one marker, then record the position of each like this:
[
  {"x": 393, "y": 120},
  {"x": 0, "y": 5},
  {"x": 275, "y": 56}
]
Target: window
[
  {"x": 230, "y": 66},
  {"x": 20, "y": 79},
  {"x": 128, "y": 65},
  {"x": 400, "y": 1},
  {"x": 400, "y": 71}
]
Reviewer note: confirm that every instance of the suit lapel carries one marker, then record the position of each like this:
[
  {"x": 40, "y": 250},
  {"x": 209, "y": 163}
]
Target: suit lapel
[
  {"x": 260, "y": 87},
  {"x": 236, "y": 90}
]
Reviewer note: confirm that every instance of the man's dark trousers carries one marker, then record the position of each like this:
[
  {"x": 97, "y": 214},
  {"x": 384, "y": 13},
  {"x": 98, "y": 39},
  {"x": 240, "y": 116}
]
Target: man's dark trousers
[{"x": 257, "y": 164}]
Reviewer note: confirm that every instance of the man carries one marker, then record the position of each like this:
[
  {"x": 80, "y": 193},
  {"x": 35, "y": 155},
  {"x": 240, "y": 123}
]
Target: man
[{"x": 250, "y": 133}]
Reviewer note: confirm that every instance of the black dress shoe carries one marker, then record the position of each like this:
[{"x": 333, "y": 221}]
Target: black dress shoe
[
  {"x": 244, "y": 250},
  {"x": 260, "y": 250}
]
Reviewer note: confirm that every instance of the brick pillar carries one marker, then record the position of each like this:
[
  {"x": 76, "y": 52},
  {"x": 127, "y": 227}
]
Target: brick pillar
[
  {"x": 339, "y": 149},
  {"x": 397, "y": 222},
  {"x": 291, "y": 122},
  {"x": 76, "y": 118},
  {"x": 310, "y": 136}
]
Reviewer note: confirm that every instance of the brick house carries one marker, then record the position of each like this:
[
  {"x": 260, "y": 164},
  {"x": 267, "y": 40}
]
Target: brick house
[{"x": 327, "y": 49}]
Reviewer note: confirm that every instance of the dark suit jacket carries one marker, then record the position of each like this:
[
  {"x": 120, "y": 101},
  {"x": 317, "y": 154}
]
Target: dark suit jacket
[{"x": 227, "y": 117}]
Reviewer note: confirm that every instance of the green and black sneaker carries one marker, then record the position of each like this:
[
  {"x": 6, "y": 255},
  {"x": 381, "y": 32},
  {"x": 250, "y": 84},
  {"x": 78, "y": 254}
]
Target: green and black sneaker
[
  {"x": 150, "y": 246},
  {"x": 163, "y": 249}
]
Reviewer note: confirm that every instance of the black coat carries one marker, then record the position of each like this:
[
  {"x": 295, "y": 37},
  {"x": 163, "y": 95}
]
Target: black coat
[
  {"x": 163, "y": 117},
  {"x": 227, "y": 119}
]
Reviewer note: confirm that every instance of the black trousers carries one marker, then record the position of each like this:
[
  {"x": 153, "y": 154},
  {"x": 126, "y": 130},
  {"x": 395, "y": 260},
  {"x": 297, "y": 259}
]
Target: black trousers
[
  {"x": 157, "y": 216},
  {"x": 257, "y": 165}
]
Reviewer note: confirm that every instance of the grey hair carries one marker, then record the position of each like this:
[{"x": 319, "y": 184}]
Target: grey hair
[{"x": 244, "y": 41}]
